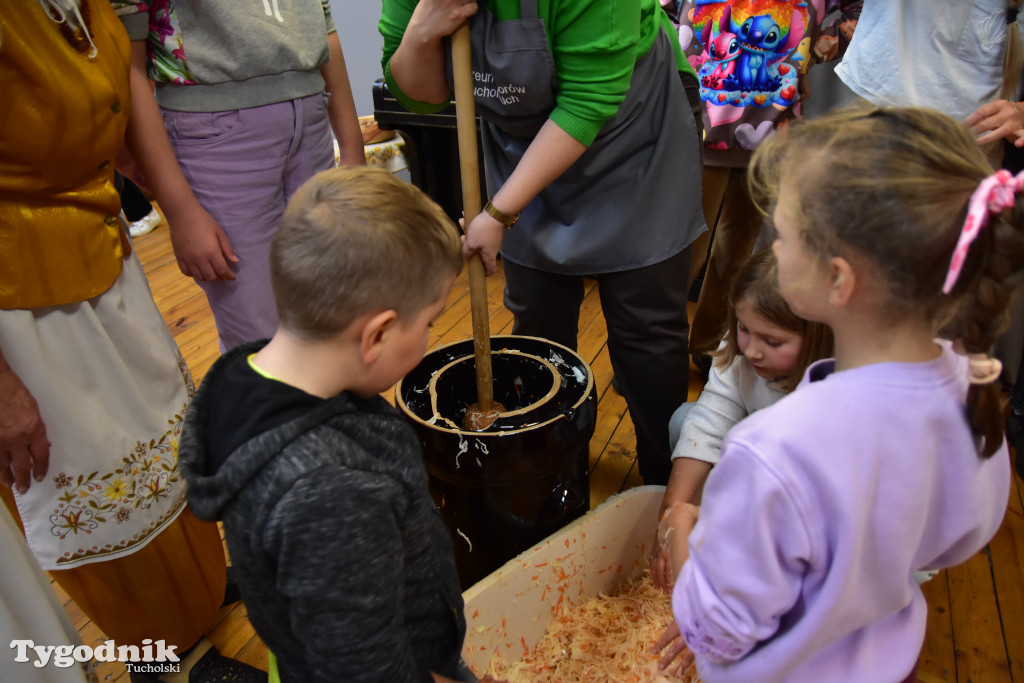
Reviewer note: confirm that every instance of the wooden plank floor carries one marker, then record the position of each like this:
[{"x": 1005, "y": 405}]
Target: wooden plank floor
[{"x": 976, "y": 611}]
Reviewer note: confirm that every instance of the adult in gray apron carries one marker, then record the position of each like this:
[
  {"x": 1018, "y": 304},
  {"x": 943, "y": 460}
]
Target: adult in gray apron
[{"x": 625, "y": 212}]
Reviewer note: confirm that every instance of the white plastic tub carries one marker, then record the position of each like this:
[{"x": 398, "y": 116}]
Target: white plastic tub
[{"x": 508, "y": 611}]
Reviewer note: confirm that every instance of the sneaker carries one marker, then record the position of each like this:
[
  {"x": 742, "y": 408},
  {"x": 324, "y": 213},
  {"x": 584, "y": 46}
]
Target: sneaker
[{"x": 145, "y": 224}]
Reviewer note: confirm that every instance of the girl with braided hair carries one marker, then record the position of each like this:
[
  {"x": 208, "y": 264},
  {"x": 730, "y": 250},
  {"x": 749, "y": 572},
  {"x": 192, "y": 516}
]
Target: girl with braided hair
[{"x": 887, "y": 459}]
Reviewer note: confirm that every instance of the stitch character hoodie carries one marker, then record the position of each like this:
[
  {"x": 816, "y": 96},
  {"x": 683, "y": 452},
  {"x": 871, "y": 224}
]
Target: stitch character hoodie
[{"x": 752, "y": 58}]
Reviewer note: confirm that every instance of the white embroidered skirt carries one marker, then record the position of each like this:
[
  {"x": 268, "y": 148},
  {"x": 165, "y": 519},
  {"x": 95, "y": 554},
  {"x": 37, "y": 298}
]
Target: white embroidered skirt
[{"x": 112, "y": 390}]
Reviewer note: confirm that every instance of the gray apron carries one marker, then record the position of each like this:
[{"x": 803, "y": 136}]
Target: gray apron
[{"x": 632, "y": 200}]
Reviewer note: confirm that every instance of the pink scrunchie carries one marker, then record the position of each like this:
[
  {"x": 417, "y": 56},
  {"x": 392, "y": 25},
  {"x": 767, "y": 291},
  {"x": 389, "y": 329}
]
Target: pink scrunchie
[{"x": 995, "y": 194}]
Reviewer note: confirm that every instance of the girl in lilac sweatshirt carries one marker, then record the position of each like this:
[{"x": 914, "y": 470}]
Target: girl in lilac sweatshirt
[{"x": 887, "y": 459}]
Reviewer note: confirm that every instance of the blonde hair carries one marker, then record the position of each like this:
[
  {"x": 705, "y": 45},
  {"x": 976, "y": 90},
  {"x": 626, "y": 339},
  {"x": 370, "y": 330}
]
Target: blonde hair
[
  {"x": 354, "y": 240},
  {"x": 757, "y": 281},
  {"x": 891, "y": 186},
  {"x": 1013, "y": 57}
]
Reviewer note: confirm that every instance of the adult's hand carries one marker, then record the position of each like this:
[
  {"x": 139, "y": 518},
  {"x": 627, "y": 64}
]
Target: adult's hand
[
  {"x": 434, "y": 19},
  {"x": 995, "y": 120},
  {"x": 484, "y": 236},
  {"x": 24, "y": 448},
  {"x": 550, "y": 153},
  {"x": 419, "y": 65},
  {"x": 202, "y": 249}
]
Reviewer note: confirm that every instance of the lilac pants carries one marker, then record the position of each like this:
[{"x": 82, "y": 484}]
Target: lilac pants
[{"x": 243, "y": 165}]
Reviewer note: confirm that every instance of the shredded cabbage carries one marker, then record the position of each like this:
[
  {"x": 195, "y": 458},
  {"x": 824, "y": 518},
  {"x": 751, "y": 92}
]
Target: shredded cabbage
[{"x": 608, "y": 638}]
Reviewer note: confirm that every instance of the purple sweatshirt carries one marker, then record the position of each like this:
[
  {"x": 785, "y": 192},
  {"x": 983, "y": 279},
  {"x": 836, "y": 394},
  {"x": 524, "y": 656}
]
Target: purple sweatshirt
[{"x": 820, "y": 510}]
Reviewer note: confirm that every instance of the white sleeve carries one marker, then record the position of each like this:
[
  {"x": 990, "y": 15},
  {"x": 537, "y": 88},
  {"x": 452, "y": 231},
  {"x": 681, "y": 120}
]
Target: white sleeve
[{"x": 718, "y": 408}]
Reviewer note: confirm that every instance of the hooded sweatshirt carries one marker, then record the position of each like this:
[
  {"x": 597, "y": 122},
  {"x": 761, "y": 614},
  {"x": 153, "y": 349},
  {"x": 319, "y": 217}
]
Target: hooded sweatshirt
[{"x": 344, "y": 564}]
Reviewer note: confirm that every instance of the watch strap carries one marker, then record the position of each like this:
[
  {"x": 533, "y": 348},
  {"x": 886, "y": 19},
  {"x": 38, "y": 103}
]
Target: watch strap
[{"x": 500, "y": 216}]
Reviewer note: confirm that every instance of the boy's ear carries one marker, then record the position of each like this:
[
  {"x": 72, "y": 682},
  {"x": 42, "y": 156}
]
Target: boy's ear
[
  {"x": 842, "y": 281},
  {"x": 374, "y": 334}
]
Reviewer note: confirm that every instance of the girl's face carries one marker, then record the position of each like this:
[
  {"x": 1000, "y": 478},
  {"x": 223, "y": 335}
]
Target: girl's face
[
  {"x": 800, "y": 278},
  {"x": 771, "y": 350}
]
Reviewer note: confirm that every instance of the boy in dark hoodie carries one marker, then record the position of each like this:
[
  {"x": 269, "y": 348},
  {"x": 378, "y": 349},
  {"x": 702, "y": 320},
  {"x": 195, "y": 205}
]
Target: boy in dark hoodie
[{"x": 344, "y": 565}]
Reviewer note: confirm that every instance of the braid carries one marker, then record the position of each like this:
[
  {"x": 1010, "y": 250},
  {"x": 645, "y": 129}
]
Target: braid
[
  {"x": 894, "y": 185},
  {"x": 995, "y": 262}
]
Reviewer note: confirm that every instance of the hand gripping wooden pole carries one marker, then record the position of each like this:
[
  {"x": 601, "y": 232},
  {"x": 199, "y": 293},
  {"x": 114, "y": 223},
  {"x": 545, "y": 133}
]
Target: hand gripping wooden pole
[{"x": 482, "y": 414}]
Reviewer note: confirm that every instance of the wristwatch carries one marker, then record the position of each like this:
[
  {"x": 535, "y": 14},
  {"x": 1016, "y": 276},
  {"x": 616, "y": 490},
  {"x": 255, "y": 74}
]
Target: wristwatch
[{"x": 500, "y": 216}]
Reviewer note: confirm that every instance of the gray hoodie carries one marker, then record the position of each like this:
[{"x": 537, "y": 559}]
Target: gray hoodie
[{"x": 344, "y": 563}]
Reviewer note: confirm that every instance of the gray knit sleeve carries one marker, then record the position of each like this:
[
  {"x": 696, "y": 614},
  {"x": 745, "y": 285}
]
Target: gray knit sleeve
[{"x": 338, "y": 546}]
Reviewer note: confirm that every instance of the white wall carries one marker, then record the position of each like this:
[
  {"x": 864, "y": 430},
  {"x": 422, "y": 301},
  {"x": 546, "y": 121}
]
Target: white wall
[{"x": 362, "y": 45}]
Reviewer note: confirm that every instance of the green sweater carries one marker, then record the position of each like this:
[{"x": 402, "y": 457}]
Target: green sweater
[{"x": 594, "y": 43}]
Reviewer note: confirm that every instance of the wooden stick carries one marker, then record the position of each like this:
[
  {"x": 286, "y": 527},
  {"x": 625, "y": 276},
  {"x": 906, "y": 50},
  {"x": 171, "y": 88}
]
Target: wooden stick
[{"x": 469, "y": 166}]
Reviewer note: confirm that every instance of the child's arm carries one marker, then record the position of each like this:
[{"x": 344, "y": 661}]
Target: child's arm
[
  {"x": 721, "y": 404},
  {"x": 746, "y": 559},
  {"x": 200, "y": 246},
  {"x": 338, "y": 549},
  {"x": 341, "y": 108},
  {"x": 719, "y": 407},
  {"x": 685, "y": 485},
  {"x": 674, "y": 531}
]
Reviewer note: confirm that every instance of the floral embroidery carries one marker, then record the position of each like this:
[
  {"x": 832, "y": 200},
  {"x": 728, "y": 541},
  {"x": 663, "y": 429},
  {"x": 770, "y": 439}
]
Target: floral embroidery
[
  {"x": 116, "y": 491},
  {"x": 147, "y": 479},
  {"x": 147, "y": 475}
]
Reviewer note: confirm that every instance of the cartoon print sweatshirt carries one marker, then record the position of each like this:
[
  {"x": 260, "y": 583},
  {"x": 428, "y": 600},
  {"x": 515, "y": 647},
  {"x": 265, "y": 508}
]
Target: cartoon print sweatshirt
[{"x": 751, "y": 58}]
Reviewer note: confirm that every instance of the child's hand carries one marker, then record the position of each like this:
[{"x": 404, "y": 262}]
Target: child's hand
[
  {"x": 671, "y": 543},
  {"x": 673, "y": 640},
  {"x": 200, "y": 245},
  {"x": 661, "y": 565}
]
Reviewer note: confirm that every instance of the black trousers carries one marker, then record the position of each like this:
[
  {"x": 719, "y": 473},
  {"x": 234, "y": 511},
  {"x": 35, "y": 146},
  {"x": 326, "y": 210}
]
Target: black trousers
[
  {"x": 133, "y": 202},
  {"x": 645, "y": 310}
]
